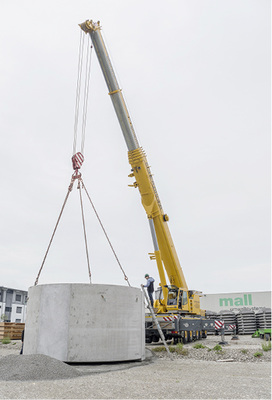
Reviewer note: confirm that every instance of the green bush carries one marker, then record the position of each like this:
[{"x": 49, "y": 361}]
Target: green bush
[
  {"x": 199, "y": 346},
  {"x": 217, "y": 347},
  {"x": 258, "y": 354},
  {"x": 266, "y": 346},
  {"x": 6, "y": 340}
]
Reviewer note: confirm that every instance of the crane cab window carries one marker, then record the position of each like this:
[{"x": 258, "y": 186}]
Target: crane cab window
[
  {"x": 172, "y": 297},
  {"x": 183, "y": 298}
]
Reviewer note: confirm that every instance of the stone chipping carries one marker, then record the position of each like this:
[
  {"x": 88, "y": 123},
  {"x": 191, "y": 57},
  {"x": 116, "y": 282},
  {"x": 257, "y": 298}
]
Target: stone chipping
[
  {"x": 34, "y": 367},
  {"x": 186, "y": 377}
]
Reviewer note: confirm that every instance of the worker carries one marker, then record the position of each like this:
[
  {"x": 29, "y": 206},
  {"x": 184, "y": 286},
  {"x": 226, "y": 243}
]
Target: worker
[{"x": 150, "y": 287}]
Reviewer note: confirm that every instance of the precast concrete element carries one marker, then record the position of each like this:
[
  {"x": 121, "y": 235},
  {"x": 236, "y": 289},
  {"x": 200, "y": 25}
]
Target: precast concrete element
[{"x": 85, "y": 322}]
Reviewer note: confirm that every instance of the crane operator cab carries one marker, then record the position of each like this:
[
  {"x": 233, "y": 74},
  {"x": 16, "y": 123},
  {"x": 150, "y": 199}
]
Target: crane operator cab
[{"x": 177, "y": 298}]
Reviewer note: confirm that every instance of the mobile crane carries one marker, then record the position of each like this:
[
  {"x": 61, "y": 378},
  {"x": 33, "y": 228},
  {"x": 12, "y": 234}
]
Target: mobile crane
[{"x": 173, "y": 302}]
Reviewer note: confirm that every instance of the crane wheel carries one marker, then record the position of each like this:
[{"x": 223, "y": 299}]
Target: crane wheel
[
  {"x": 185, "y": 337},
  {"x": 204, "y": 334}
]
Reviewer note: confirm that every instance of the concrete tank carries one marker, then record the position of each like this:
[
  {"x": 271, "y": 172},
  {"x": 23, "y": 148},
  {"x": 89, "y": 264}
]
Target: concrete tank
[{"x": 85, "y": 322}]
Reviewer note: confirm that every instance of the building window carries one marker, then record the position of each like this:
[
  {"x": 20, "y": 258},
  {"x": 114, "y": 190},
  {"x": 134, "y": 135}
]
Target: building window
[
  {"x": 8, "y": 309},
  {"x": 18, "y": 297},
  {"x": 19, "y": 310},
  {"x": 17, "y": 320}
]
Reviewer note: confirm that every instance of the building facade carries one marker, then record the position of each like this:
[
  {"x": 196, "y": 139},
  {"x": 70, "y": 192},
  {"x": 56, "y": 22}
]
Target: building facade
[
  {"x": 235, "y": 301},
  {"x": 12, "y": 304}
]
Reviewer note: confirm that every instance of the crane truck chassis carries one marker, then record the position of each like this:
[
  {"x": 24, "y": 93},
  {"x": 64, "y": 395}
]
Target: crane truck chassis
[
  {"x": 177, "y": 308},
  {"x": 178, "y": 329}
]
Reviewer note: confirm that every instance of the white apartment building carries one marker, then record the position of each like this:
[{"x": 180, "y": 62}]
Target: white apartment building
[{"x": 12, "y": 304}]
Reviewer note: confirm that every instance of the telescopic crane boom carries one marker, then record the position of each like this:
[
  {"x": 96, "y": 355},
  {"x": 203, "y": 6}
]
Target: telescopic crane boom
[{"x": 185, "y": 301}]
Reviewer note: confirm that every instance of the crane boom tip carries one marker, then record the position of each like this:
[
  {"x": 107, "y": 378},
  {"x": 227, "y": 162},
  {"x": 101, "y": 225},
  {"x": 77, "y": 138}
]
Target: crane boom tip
[{"x": 90, "y": 26}]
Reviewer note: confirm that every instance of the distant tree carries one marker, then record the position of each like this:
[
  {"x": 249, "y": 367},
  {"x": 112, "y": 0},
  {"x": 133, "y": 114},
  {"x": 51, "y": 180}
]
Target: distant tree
[{"x": 3, "y": 317}]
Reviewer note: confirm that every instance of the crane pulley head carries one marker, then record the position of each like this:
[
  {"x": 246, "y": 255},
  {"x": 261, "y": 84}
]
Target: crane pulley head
[
  {"x": 90, "y": 26},
  {"x": 77, "y": 161}
]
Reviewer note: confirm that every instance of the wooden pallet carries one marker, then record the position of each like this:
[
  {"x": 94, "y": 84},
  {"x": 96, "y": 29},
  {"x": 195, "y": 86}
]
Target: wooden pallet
[{"x": 12, "y": 330}]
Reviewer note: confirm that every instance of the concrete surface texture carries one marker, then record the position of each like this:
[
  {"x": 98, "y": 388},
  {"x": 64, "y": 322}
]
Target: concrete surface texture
[{"x": 85, "y": 322}]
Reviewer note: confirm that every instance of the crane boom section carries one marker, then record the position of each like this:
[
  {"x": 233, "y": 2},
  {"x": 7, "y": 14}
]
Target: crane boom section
[
  {"x": 153, "y": 208},
  {"x": 137, "y": 159}
]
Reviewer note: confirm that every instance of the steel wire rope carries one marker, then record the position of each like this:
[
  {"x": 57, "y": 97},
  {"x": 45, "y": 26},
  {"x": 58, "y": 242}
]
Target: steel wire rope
[
  {"x": 100, "y": 222},
  {"x": 86, "y": 92},
  {"x": 64, "y": 203},
  {"x": 84, "y": 229},
  {"x": 78, "y": 87}
]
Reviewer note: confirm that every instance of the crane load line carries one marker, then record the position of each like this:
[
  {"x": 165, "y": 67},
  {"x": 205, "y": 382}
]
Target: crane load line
[
  {"x": 100, "y": 222},
  {"x": 77, "y": 176},
  {"x": 86, "y": 90}
]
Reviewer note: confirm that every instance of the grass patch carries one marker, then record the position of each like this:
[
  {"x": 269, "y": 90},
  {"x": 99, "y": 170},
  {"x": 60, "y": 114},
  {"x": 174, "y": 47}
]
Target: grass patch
[
  {"x": 258, "y": 354},
  {"x": 178, "y": 349},
  {"x": 266, "y": 346},
  {"x": 6, "y": 340},
  {"x": 172, "y": 349},
  {"x": 244, "y": 351},
  {"x": 159, "y": 349},
  {"x": 217, "y": 348},
  {"x": 199, "y": 346}
]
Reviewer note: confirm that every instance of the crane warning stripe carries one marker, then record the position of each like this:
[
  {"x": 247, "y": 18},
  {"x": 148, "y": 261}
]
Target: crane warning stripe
[
  {"x": 219, "y": 324},
  {"x": 170, "y": 318},
  {"x": 77, "y": 160}
]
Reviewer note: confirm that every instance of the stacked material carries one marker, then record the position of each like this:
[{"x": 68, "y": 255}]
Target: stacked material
[
  {"x": 212, "y": 315},
  {"x": 263, "y": 318},
  {"x": 246, "y": 322}
]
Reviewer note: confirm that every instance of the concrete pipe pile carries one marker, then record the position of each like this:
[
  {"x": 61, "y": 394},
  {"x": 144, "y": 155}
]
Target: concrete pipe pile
[
  {"x": 85, "y": 322},
  {"x": 246, "y": 322},
  {"x": 263, "y": 318},
  {"x": 212, "y": 315}
]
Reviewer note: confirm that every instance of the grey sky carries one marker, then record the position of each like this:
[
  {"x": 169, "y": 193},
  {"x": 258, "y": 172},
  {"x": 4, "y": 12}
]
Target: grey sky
[{"x": 196, "y": 78}]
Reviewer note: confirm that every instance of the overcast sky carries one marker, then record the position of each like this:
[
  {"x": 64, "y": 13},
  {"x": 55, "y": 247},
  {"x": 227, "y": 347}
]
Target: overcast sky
[{"x": 196, "y": 78}]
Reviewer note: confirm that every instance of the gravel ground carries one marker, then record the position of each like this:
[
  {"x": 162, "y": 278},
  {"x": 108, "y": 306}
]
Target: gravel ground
[{"x": 201, "y": 374}]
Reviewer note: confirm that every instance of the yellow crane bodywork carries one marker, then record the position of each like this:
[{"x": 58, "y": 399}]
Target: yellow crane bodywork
[{"x": 175, "y": 297}]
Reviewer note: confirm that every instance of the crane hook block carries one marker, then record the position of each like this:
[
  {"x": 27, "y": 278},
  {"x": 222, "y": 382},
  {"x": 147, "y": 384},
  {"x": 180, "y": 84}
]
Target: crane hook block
[{"x": 77, "y": 160}]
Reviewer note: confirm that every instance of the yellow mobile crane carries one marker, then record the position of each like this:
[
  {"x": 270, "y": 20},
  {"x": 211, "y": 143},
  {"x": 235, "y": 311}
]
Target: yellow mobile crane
[{"x": 173, "y": 298}]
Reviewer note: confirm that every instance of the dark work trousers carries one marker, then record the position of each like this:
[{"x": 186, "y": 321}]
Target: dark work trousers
[{"x": 150, "y": 294}]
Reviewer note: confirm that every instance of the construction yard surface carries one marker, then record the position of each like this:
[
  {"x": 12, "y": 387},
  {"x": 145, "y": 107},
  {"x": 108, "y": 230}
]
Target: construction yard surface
[{"x": 241, "y": 370}]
